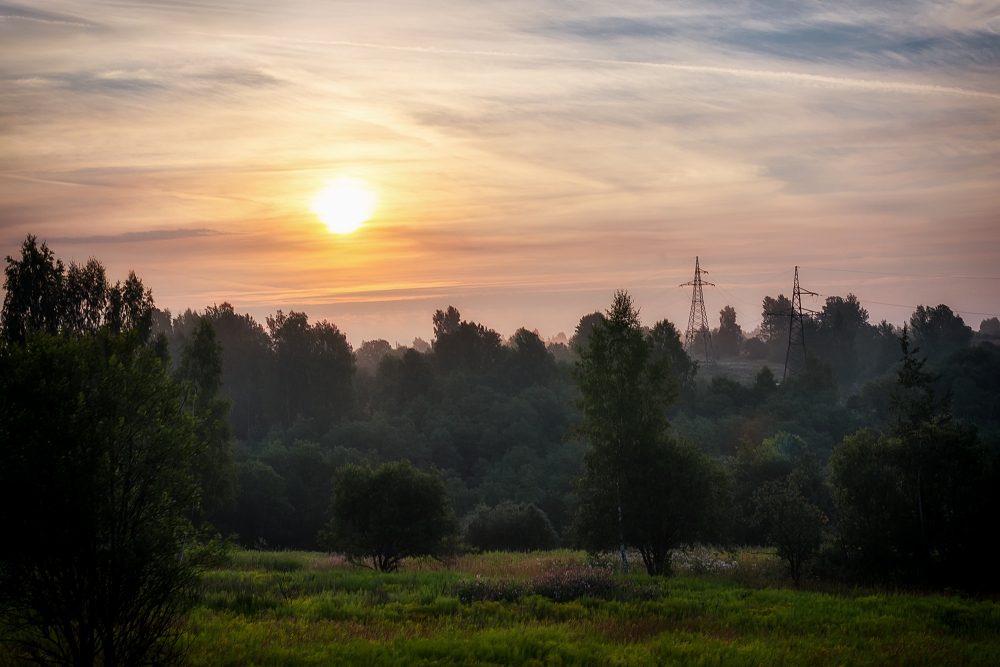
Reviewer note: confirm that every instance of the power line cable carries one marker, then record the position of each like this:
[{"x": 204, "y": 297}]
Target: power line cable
[
  {"x": 905, "y": 275},
  {"x": 903, "y": 305}
]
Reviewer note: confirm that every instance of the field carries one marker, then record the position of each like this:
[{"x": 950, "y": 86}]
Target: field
[{"x": 721, "y": 609}]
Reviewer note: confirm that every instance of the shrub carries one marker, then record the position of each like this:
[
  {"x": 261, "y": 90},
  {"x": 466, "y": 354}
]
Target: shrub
[
  {"x": 100, "y": 558},
  {"x": 491, "y": 590},
  {"x": 510, "y": 527},
  {"x": 755, "y": 348},
  {"x": 559, "y": 586},
  {"x": 570, "y": 584}
]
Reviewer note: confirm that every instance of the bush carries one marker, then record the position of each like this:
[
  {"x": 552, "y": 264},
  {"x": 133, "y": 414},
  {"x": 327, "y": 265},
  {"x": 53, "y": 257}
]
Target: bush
[
  {"x": 491, "y": 590},
  {"x": 559, "y": 586},
  {"x": 755, "y": 348},
  {"x": 571, "y": 584},
  {"x": 510, "y": 527}
]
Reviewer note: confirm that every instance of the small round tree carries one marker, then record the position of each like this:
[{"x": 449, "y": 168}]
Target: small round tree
[
  {"x": 381, "y": 516},
  {"x": 792, "y": 523},
  {"x": 510, "y": 527}
]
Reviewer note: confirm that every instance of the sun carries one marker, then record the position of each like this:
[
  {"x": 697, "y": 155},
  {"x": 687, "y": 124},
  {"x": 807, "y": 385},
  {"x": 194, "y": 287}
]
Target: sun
[{"x": 344, "y": 205}]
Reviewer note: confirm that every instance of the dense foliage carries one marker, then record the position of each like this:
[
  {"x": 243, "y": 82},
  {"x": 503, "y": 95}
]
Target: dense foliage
[
  {"x": 491, "y": 417},
  {"x": 663, "y": 451},
  {"x": 509, "y": 527},
  {"x": 918, "y": 501},
  {"x": 106, "y": 460},
  {"x": 379, "y": 517},
  {"x": 98, "y": 487},
  {"x": 640, "y": 487},
  {"x": 496, "y": 418}
]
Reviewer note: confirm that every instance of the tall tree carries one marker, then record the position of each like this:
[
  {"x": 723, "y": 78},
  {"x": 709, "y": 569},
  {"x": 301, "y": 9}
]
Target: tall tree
[
  {"x": 666, "y": 341},
  {"x": 370, "y": 353},
  {"x": 87, "y": 293},
  {"x": 730, "y": 336},
  {"x": 34, "y": 299},
  {"x": 42, "y": 296},
  {"x": 459, "y": 344},
  {"x": 331, "y": 370},
  {"x": 623, "y": 393},
  {"x": 446, "y": 321},
  {"x": 97, "y": 487},
  {"x": 246, "y": 355},
  {"x": 581, "y": 336},
  {"x": 312, "y": 369},
  {"x": 200, "y": 374},
  {"x": 774, "y": 318},
  {"x": 912, "y": 506}
]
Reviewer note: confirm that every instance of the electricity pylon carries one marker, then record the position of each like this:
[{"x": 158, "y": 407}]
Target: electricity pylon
[
  {"x": 698, "y": 320},
  {"x": 795, "y": 356}
]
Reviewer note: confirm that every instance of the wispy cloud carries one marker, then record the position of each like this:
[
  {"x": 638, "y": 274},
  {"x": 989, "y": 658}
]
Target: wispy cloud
[
  {"x": 529, "y": 156},
  {"x": 800, "y": 77},
  {"x": 137, "y": 237},
  {"x": 9, "y": 12}
]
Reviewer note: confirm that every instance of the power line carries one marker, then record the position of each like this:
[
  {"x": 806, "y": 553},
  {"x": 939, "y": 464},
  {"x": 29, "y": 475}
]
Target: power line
[
  {"x": 903, "y": 305},
  {"x": 904, "y": 275},
  {"x": 753, "y": 305}
]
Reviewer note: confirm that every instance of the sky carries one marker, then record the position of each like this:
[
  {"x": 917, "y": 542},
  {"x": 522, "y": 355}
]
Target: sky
[{"x": 527, "y": 158}]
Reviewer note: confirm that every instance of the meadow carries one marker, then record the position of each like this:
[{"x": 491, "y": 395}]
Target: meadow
[{"x": 302, "y": 608}]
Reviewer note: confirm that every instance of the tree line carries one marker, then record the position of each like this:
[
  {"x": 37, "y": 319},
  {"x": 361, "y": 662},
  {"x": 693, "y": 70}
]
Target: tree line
[{"x": 140, "y": 439}]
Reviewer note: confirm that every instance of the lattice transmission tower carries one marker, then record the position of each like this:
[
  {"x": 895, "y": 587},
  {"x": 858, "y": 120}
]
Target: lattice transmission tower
[
  {"x": 698, "y": 330},
  {"x": 795, "y": 356}
]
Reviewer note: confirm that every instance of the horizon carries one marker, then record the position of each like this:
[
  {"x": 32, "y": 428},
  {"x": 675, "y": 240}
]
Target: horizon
[{"x": 525, "y": 160}]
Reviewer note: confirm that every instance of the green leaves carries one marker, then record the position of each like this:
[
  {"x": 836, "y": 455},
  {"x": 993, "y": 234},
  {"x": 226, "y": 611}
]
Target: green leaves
[
  {"x": 639, "y": 487},
  {"x": 43, "y": 296},
  {"x": 623, "y": 391},
  {"x": 791, "y": 523},
  {"x": 98, "y": 490},
  {"x": 382, "y": 516}
]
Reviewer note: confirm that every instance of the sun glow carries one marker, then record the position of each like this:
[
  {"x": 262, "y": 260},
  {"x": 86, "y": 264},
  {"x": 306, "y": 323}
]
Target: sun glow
[{"x": 344, "y": 205}]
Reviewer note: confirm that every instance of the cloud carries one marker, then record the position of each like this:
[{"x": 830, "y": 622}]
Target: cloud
[
  {"x": 16, "y": 12},
  {"x": 138, "y": 237},
  {"x": 864, "y": 84},
  {"x": 518, "y": 149}
]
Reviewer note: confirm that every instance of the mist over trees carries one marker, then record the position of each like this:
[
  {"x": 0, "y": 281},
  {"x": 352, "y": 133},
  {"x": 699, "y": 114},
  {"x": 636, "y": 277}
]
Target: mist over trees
[
  {"x": 876, "y": 462},
  {"x": 492, "y": 417}
]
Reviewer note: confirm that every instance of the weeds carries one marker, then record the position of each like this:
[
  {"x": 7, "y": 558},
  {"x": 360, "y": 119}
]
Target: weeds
[{"x": 550, "y": 608}]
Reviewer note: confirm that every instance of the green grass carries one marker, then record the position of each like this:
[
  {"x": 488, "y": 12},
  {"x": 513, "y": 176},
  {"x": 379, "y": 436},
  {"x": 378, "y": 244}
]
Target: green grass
[{"x": 311, "y": 609}]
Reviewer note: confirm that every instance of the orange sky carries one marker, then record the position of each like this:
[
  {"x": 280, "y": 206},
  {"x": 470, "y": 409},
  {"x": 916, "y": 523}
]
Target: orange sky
[{"x": 528, "y": 158}]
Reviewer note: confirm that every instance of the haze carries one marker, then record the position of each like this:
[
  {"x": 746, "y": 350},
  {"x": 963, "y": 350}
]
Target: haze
[{"x": 528, "y": 157}]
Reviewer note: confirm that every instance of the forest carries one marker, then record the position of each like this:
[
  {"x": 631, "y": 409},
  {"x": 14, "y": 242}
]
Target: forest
[
  {"x": 207, "y": 431},
  {"x": 496, "y": 416}
]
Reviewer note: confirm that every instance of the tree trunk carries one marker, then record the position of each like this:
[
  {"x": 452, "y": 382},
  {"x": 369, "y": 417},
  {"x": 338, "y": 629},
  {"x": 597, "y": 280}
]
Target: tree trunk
[{"x": 621, "y": 531}]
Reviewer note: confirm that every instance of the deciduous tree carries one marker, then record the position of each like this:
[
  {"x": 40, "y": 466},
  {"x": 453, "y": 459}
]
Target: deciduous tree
[
  {"x": 97, "y": 490},
  {"x": 789, "y": 520},
  {"x": 638, "y": 486},
  {"x": 381, "y": 516}
]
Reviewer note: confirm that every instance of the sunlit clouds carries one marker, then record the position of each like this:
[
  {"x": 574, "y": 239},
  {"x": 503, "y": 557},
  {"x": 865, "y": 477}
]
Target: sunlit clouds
[{"x": 524, "y": 159}]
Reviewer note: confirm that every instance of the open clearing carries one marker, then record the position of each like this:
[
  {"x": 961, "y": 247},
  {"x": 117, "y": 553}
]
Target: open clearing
[{"x": 312, "y": 609}]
